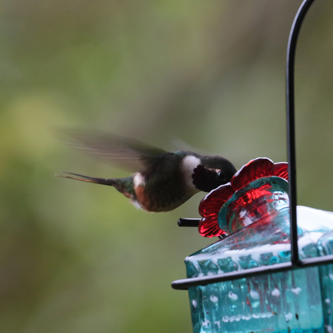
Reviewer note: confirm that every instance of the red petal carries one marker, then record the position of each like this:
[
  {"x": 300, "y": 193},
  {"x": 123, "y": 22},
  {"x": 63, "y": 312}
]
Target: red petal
[
  {"x": 258, "y": 168},
  {"x": 281, "y": 170},
  {"x": 209, "y": 228},
  {"x": 211, "y": 204}
]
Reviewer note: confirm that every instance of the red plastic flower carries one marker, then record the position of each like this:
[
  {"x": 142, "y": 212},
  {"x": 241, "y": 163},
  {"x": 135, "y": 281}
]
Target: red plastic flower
[{"x": 212, "y": 203}]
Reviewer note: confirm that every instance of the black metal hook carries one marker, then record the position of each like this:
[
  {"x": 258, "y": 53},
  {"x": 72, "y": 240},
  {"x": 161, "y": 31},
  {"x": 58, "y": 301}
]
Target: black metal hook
[{"x": 291, "y": 143}]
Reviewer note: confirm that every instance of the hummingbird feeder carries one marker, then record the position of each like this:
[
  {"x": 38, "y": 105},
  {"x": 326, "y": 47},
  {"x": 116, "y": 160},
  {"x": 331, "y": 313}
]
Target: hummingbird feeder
[{"x": 271, "y": 270}]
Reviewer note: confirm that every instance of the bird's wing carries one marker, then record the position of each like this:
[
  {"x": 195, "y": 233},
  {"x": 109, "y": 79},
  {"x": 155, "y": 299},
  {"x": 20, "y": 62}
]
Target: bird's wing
[{"x": 125, "y": 152}]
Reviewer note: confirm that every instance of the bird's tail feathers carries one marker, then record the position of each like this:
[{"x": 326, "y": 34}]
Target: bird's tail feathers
[{"x": 95, "y": 180}]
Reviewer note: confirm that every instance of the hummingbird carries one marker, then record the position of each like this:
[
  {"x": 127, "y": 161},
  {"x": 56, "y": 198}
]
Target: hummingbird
[{"x": 162, "y": 181}]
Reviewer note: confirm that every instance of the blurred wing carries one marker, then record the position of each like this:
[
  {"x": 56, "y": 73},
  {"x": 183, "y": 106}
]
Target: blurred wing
[{"x": 125, "y": 152}]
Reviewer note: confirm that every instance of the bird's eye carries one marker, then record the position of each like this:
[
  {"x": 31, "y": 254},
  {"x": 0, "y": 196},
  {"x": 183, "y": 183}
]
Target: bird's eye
[{"x": 220, "y": 175}]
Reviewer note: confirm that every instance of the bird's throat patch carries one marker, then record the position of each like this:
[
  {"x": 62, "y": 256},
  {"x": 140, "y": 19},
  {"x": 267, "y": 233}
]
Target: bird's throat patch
[{"x": 189, "y": 163}]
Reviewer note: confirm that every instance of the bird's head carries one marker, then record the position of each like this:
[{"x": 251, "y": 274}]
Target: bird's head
[{"x": 212, "y": 172}]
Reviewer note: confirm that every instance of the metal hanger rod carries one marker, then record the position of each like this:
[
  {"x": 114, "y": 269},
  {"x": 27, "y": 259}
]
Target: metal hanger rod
[{"x": 291, "y": 142}]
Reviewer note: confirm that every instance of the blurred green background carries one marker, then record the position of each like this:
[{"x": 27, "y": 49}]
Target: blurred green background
[{"x": 76, "y": 257}]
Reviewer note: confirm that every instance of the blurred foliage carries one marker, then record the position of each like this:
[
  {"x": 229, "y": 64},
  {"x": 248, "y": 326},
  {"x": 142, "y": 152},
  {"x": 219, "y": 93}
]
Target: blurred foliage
[{"x": 78, "y": 258}]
